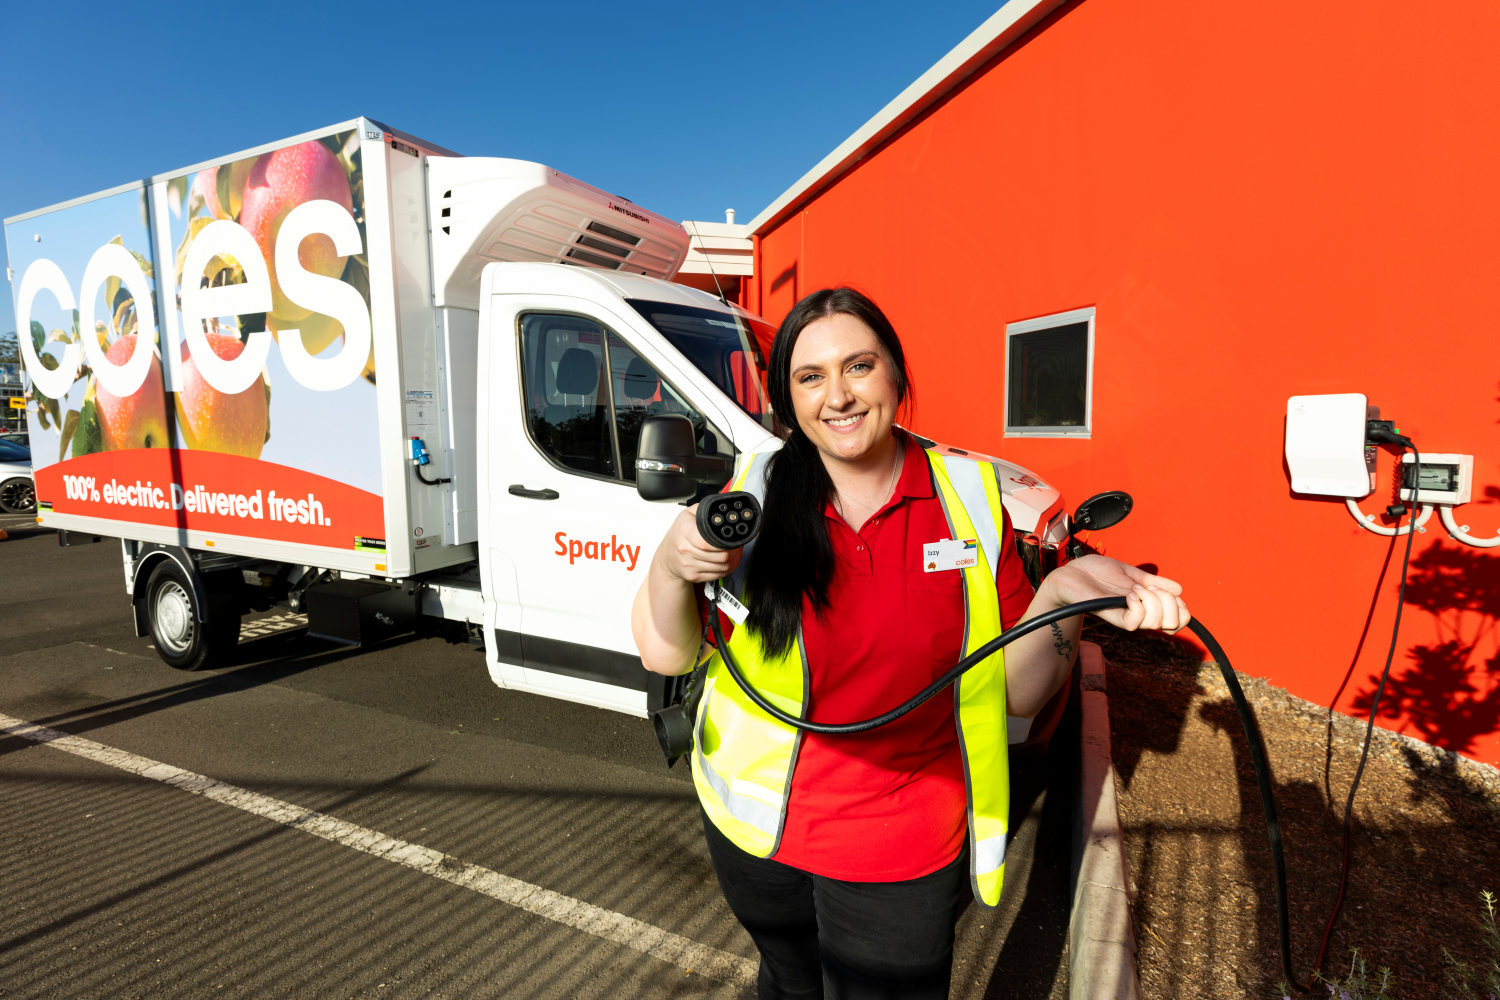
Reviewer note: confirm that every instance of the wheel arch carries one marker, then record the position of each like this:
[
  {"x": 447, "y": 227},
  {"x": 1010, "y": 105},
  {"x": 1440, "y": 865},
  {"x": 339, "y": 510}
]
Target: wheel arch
[{"x": 154, "y": 554}]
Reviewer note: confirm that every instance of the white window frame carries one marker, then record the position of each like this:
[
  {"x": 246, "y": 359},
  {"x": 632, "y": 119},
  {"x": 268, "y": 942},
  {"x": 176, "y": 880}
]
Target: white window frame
[{"x": 1068, "y": 318}]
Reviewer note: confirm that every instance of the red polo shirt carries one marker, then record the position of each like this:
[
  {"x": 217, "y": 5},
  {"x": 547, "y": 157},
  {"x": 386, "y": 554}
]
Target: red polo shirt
[{"x": 889, "y": 804}]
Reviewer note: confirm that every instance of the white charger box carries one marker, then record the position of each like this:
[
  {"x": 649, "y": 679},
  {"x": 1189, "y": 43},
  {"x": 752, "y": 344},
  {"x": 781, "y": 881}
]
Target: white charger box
[{"x": 1325, "y": 444}]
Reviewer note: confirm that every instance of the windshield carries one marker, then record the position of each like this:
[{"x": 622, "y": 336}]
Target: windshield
[
  {"x": 719, "y": 344},
  {"x": 12, "y": 452}
]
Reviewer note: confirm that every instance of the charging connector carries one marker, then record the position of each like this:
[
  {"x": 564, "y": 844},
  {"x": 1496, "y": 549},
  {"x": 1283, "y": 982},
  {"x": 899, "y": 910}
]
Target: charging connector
[
  {"x": 419, "y": 458},
  {"x": 1386, "y": 432}
]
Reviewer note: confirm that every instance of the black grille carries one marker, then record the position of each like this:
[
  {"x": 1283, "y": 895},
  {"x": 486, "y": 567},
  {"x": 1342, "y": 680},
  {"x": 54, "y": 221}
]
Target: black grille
[
  {"x": 589, "y": 241},
  {"x": 613, "y": 233},
  {"x": 594, "y": 259}
]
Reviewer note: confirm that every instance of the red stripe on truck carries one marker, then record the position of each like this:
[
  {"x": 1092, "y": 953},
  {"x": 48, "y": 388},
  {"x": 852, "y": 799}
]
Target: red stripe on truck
[{"x": 213, "y": 491}]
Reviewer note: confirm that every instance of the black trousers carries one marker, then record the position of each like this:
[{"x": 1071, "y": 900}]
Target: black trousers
[{"x": 821, "y": 937}]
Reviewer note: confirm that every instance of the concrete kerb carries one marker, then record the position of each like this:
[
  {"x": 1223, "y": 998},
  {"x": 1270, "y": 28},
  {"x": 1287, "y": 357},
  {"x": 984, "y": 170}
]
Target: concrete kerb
[{"x": 1101, "y": 939}]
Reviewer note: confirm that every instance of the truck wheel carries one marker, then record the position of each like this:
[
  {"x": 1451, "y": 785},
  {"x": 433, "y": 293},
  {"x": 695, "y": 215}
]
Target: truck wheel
[
  {"x": 181, "y": 639},
  {"x": 18, "y": 496}
]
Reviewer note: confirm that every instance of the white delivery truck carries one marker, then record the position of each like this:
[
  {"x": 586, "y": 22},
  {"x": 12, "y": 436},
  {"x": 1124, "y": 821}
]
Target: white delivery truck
[{"x": 363, "y": 378}]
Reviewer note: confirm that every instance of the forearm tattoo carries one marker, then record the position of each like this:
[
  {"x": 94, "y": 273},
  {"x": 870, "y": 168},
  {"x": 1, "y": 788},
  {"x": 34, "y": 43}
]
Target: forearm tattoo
[{"x": 1064, "y": 646}]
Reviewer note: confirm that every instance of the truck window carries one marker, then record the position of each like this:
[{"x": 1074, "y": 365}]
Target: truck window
[
  {"x": 719, "y": 344},
  {"x": 641, "y": 392},
  {"x": 566, "y": 407}
]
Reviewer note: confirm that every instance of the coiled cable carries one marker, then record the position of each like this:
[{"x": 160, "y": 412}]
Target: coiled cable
[{"x": 1242, "y": 706}]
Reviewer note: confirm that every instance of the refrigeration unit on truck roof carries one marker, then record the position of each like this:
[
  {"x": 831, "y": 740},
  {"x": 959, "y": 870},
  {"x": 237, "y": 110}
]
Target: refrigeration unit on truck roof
[{"x": 307, "y": 307}]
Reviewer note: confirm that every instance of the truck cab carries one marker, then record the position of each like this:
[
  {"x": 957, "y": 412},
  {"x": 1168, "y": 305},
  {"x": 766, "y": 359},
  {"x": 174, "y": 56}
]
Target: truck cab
[{"x": 571, "y": 362}]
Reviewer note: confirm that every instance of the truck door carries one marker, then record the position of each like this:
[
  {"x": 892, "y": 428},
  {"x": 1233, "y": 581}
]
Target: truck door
[{"x": 562, "y": 502}]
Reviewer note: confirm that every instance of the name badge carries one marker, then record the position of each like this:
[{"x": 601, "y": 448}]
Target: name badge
[{"x": 950, "y": 554}]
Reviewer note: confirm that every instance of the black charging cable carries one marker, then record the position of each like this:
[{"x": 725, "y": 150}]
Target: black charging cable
[
  {"x": 731, "y": 520},
  {"x": 1242, "y": 706},
  {"x": 1377, "y": 431},
  {"x": 429, "y": 482},
  {"x": 1389, "y": 436}
]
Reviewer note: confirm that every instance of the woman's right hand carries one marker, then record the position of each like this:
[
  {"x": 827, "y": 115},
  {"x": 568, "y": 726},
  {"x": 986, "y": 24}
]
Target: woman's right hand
[
  {"x": 664, "y": 619},
  {"x": 684, "y": 555}
]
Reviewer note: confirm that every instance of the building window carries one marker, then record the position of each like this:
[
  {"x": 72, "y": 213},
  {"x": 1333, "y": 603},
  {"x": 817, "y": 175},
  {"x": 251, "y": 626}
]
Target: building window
[{"x": 1050, "y": 375}]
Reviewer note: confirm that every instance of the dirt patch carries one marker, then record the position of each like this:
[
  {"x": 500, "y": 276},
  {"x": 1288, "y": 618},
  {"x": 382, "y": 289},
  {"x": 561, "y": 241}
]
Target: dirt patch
[{"x": 1427, "y": 833}]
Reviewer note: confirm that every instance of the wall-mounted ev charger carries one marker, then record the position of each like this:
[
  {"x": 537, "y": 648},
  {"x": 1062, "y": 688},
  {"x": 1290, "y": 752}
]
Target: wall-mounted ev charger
[
  {"x": 1325, "y": 445},
  {"x": 1331, "y": 444}
]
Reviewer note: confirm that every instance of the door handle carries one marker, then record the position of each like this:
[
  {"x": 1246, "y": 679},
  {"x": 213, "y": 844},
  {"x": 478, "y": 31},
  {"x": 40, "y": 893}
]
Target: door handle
[{"x": 520, "y": 491}]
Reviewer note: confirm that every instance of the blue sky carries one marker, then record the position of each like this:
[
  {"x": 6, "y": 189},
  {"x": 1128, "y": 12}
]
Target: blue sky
[{"x": 685, "y": 108}]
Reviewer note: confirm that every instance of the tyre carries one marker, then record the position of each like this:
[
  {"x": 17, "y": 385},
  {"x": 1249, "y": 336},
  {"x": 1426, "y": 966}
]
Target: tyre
[
  {"x": 183, "y": 641},
  {"x": 18, "y": 495}
]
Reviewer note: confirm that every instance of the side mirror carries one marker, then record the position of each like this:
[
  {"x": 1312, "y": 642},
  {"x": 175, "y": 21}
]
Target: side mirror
[
  {"x": 1102, "y": 510},
  {"x": 665, "y": 451},
  {"x": 668, "y": 468}
]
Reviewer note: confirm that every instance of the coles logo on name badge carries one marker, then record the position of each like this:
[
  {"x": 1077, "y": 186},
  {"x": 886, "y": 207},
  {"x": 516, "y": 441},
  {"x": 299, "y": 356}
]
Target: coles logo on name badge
[{"x": 949, "y": 553}]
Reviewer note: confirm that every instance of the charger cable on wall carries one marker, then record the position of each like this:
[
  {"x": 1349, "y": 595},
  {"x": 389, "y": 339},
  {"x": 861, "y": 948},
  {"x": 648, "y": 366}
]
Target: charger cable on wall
[{"x": 1385, "y": 674}]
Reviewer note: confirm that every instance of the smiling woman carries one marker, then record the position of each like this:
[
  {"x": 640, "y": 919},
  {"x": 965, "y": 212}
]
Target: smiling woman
[
  {"x": 848, "y": 383},
  {"x": 847, "y": 856}
]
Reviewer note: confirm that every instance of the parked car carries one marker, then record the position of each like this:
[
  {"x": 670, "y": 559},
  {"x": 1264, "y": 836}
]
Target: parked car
[{"x": 17, "y": 490}]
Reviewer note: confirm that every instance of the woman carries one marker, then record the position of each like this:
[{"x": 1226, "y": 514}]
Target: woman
[{"x": 847, "y": 857}]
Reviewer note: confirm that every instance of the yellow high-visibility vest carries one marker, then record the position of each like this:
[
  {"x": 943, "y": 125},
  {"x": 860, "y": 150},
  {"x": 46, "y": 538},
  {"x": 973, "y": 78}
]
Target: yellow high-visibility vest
[{"x": 744, "y": 760}]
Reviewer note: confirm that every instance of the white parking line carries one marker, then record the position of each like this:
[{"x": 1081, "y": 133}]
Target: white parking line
[{"x": 595, "y": 920}]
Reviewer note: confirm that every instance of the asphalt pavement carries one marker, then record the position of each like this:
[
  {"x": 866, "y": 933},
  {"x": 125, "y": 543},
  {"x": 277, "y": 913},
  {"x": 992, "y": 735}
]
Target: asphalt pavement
[{"x": 438, "y": 794}]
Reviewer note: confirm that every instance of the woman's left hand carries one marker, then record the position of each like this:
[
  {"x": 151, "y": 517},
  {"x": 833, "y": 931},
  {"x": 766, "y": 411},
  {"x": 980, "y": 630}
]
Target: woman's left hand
[{"x": 1154, "y": 602}]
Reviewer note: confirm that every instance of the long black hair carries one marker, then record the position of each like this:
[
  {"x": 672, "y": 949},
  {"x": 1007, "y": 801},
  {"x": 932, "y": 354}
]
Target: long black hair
[{"x": 793, "y": 554}]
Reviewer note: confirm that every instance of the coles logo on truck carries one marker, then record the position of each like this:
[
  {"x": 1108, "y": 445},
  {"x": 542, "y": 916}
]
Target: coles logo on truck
[{"x": 209, "y": 367}]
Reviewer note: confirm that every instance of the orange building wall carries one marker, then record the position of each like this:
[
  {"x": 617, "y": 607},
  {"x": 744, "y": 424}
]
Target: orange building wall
[{"x": 1260, "y": 201}]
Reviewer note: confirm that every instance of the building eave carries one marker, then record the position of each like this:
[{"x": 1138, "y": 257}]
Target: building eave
[{"x": 986, "y": 41}]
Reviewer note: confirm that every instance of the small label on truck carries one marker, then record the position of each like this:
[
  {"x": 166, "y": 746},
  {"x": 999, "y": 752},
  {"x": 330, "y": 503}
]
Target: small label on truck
[
  {"x": 421, "y": 412},
  {"x": 368, "y": 544}
]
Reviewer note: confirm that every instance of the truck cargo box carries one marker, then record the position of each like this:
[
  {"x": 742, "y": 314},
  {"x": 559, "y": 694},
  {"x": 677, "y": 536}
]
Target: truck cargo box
[{"x": 236, "y": 356}]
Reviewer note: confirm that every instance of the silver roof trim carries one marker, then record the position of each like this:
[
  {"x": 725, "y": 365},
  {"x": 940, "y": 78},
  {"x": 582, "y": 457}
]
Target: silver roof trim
[
  {"x": 353, "y": 123},
  {"x": 132, "y": 186},
  {"x": 984, "y": 43}
]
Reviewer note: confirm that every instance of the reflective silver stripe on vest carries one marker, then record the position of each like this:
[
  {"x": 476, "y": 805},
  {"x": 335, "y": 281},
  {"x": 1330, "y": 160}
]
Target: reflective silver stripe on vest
[
  {"x": 989, "y": 854},
  {"x": 964, "y": 474},
  {"x": 755, "y": 485},
  {"x": 755, "y": 480},
  {"x": 753, "y": 812}
]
